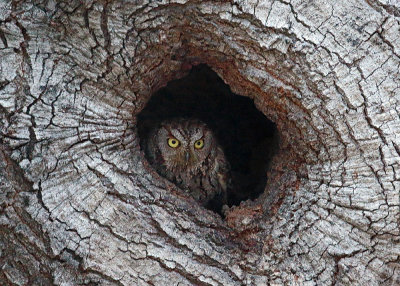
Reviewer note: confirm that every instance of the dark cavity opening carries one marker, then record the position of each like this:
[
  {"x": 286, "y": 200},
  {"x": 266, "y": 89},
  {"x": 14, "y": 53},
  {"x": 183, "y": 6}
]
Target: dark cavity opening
[{"x": 248, "y": 138}]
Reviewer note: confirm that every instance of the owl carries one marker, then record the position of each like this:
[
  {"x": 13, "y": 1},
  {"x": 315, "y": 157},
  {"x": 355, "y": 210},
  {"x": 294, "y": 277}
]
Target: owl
[{"x": 186, "y": 152}]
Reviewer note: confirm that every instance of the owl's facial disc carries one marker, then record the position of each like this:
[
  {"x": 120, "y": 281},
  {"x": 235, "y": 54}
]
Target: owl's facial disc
[{"x": 187, "y": 144}]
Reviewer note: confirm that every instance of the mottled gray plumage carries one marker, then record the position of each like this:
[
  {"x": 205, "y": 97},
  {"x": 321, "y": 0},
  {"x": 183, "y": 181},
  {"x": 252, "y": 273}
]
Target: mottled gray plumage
[{"x": 203, "y": 172}]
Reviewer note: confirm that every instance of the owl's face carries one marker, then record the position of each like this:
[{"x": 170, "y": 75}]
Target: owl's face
[{"x": 185, "y": 144}]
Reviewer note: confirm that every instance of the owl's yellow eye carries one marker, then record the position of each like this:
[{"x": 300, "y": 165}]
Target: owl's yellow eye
[
  {"x": 199, "y": 144},
  {"x": 172, "y": 142}
]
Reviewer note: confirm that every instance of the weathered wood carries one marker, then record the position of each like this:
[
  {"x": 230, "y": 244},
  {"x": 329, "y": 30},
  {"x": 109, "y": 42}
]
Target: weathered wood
[{"x": 80, "y": 204}]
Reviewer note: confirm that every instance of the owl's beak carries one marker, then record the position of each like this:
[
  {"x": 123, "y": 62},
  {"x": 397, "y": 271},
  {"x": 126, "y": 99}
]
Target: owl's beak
[{"x": 187, "y": 156}]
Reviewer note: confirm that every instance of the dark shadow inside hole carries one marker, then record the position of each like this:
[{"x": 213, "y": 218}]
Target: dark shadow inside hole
[{"x": 248, "y": 138}]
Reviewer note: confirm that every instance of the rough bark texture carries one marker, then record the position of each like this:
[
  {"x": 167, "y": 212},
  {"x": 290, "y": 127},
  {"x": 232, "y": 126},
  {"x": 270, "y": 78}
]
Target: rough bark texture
[{"x": 80, "y": 204}]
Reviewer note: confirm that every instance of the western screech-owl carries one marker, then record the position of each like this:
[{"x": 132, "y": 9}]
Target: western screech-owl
[{"x": 186, "y": 152}]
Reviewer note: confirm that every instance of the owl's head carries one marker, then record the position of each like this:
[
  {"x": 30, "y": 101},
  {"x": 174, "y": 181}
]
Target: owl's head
[{"x": 185, "y": 143}]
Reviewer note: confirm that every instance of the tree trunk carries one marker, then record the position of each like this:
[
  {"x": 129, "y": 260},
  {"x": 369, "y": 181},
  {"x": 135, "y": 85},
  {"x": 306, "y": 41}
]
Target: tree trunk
[{"x": 81, "y": 205}]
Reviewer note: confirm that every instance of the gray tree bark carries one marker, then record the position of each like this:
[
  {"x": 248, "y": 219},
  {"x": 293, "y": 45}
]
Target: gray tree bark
[{"x": 81, "y": 205}]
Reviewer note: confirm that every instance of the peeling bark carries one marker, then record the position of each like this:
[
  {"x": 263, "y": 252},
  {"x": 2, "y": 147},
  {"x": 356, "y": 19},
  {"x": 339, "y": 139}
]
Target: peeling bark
[{"x": 81, "y": 205}]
